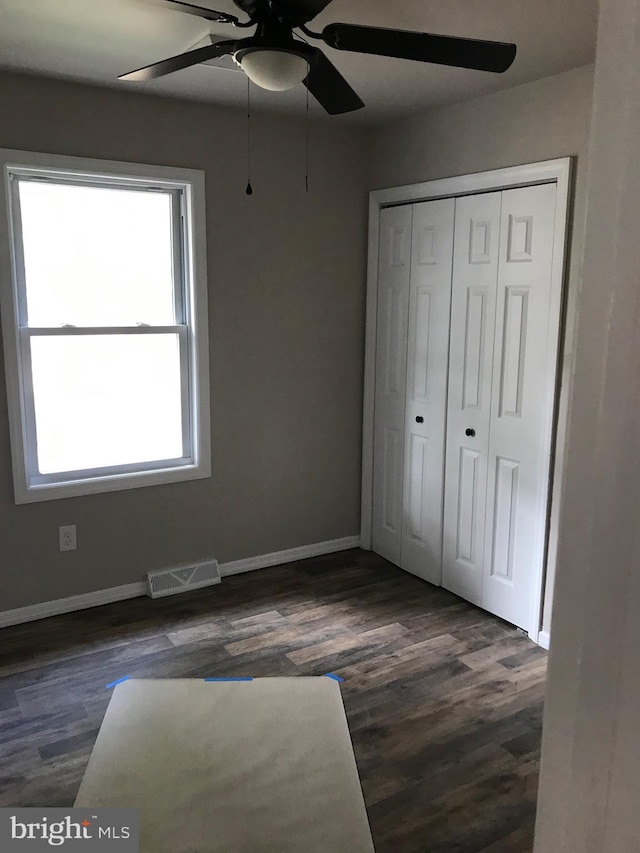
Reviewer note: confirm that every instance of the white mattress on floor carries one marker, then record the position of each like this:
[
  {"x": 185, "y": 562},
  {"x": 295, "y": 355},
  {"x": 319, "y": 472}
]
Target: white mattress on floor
[{"x": 263, "y": 766}]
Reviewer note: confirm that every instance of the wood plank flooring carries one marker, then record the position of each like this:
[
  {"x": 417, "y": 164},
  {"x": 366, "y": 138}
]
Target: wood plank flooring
[{"x": 444, "y": 701}]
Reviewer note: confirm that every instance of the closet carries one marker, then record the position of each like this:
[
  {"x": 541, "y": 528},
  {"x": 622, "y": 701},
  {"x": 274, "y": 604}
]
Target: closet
[{"x": 462, "y": 408}]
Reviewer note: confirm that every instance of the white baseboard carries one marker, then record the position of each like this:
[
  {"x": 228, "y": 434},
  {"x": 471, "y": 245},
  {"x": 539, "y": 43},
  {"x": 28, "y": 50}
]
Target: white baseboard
[
  {"x": 544, "y": 639},
  {"x": 74, "y": 602},
  {"x": 133, "y": 590},
  {"x": 236, "y": 567}
]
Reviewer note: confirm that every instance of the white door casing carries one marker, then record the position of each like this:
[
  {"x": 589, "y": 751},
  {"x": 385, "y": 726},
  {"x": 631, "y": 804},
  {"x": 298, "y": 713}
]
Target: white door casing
[
  {"x": 426, "y": 389},
  {"x": 473, "y": 309},
  {"x": 391, "y": 370},
  {"x": 518, "y": 472}
]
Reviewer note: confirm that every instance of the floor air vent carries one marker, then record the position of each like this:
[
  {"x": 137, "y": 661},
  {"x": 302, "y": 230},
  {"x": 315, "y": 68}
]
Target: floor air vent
[{"x": 172, "y": 581}]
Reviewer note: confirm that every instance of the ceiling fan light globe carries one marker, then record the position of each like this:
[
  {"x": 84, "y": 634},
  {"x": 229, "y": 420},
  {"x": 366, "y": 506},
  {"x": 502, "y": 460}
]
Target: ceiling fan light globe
[{"x": 276, "y": 70}]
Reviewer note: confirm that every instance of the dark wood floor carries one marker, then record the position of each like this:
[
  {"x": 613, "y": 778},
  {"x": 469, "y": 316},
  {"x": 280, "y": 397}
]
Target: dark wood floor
[{"x": 444, "y": 701}]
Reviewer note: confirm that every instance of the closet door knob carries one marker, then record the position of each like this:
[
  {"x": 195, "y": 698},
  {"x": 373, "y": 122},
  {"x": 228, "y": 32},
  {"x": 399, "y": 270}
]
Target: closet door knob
[
  {"x": 419, "y": 419},
  {"x": 470, "y": 432}
]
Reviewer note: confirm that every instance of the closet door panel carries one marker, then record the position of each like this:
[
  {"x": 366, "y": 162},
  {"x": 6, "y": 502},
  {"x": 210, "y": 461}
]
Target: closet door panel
[
  {"x": 391, "y": 370},
  {"x": 520, "y": 405},
  {"x": 475, "y": 273},
  {"x": 426, "y": 388}
]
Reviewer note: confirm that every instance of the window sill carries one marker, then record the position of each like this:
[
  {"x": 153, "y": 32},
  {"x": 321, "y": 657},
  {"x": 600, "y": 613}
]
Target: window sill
[{"x": 25, "y": 493}]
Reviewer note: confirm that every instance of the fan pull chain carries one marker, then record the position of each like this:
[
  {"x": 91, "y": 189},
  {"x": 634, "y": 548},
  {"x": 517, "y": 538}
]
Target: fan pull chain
[
  {"x": 249, "y": 190},
  {"x": 306, "y": 153}
]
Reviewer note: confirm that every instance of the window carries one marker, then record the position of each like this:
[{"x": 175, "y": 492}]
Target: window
[{"x": 103, "y": 299}]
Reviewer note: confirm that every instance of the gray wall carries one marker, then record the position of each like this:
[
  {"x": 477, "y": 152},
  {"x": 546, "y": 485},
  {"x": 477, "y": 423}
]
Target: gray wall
[
  {"x": 286, "y": 305},
  {"x": 543, "y": 120},
  {"x": 590, "y": 773}
]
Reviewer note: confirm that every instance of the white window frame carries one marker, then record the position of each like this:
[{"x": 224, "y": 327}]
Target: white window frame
[{"x": 190, "y": 293}]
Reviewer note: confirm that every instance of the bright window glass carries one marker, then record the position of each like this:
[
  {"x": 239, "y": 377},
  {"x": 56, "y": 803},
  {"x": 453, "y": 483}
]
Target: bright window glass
[
  {"x": 104, "y": 401},
  {"x": 96, "y": 256}
]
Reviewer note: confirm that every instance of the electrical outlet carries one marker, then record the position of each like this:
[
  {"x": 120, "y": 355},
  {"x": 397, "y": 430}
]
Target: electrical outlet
[{"x": 67, "y": 536}]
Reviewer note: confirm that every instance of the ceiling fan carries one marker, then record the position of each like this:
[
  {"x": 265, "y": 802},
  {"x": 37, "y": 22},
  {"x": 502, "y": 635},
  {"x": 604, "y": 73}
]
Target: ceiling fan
[{"x": 277, "y": 58}]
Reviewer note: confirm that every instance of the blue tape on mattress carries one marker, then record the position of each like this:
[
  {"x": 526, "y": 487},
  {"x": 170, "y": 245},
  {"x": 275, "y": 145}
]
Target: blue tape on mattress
[
  {"x": 118, "y": 681},
  {"x": 229, "y": 679}
]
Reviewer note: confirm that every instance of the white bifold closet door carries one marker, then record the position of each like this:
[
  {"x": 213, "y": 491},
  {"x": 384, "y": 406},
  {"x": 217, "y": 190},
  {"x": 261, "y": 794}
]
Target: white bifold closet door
[
  {"x": 462, "y": 402},
  {"x": 521, "y": 406},
  {"x": 391, "y": 373},
  {"x": 473, "y": 315},
  {"x": 414, "y": 295},
  {"x": 495, "y": 506}
]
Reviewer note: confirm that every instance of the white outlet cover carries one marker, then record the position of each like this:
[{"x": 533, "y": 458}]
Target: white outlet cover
[{"x": 67, "y": 537}]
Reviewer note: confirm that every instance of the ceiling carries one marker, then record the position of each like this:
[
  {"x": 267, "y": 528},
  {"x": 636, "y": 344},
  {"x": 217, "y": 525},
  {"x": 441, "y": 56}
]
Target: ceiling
[{"x": 95, "y": 40}]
